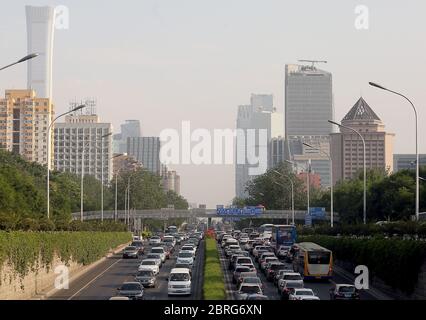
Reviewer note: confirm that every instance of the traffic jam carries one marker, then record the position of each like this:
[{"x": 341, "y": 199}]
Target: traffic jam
[
  {"x": 165, "y": 265},
  {"x": 266, "y": 263}
]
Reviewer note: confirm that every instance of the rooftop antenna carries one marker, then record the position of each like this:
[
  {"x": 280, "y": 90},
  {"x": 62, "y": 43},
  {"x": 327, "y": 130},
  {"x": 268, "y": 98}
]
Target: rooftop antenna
[{"x": 313, "y": 62}]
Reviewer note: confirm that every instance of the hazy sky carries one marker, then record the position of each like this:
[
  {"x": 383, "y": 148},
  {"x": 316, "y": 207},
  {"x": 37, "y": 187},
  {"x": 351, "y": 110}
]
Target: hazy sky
[{"x": 166, "y": 61}]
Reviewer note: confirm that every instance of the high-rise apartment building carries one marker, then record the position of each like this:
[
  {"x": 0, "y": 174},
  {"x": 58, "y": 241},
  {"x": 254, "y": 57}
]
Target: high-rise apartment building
[
  {"x": 253, "y": 118},
  {"x": 308, "y": 107},
  {"x": 347, "y": 146},
  {"x": 40, "y": 34},
  {"x": 24, "y": 122},
  {"x": 82, "y": 134},
  {"x": 147, "y": 151}
]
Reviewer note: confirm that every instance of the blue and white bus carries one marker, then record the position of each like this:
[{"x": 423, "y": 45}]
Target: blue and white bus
[{"x": 283, "y": 235}]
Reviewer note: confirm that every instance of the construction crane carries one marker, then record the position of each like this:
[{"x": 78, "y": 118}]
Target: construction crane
[{"x": 313, "y": 62}]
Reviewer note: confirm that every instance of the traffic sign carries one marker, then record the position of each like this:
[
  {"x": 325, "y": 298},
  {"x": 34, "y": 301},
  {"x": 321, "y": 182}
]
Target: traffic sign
[
  {"x": 317, "y": 212},
  {"x": 308, "y": 220}
]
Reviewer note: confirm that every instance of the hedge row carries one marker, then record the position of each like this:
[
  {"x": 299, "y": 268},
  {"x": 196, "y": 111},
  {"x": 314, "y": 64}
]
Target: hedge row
[
  {"x": 214, "y": 283},
  {"x": 399, "y": 228},
  {"x": 16, "y": 223},
  {"x": 397, "y": 262},
  {"x": 29, "y": 251}
]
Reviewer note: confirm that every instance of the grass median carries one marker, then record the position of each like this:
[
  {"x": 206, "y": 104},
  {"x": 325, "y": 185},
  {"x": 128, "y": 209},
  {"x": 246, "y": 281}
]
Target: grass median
[{"x": 214, "y": 282}]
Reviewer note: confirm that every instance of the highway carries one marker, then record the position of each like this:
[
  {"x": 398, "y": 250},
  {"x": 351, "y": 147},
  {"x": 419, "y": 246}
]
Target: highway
[
  {"x": 321, "y": 289},
  {"x": 101, "y": 282}
]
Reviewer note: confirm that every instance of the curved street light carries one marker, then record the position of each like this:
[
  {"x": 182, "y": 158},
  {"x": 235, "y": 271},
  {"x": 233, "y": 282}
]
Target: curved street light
[
  {"x": 365, "y": 170},
  {"x": 27, "y": 57},
  {"x": 48, "y": 153},
  {"x": 373, "y": 84}
]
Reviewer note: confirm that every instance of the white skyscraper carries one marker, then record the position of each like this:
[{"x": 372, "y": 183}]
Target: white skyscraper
[{"x": 40, "y": 30}]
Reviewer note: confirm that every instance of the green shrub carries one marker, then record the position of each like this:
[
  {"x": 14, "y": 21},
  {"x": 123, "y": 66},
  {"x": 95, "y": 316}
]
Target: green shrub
[
  {"x": 214, "y": 283},
  {"x": 27, "y": 251},
  {"x": 397, "y": 262}
]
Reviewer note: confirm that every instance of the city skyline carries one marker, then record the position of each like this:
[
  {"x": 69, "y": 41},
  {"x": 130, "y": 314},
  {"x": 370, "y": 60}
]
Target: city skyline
[{"x": 168, "y": 64}]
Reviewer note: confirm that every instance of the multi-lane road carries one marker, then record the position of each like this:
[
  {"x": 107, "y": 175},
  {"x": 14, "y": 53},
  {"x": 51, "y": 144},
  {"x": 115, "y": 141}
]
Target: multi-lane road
[
  {"x": 101, "y": 282},
  {"x": 321, "y": 289}
]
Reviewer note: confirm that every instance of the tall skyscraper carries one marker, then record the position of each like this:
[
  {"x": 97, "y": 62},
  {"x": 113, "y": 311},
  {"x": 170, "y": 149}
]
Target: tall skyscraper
[
  {"x": 147, "y": 151},
  {"x": 24, "y": 120},
  {"x": 83, "y": 132},
  {"x": 40, "y": 34},
  {"x": 260, "y": 114},
  {"x": 347, "y": 147},
  {"x": 308, "y": 107}
]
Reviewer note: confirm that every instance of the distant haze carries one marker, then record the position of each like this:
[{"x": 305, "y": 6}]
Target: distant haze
[{"x": 166, "y": 61}]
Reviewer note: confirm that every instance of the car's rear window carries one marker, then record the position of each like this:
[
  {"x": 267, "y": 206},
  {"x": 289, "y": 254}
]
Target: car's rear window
[
  {"x": 347, "y": 289},
  {"x": 250, "y": 289}
]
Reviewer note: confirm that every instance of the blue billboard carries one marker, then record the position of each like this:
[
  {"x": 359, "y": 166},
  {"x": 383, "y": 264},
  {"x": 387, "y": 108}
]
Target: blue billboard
[{"x": 317, "y": 212}]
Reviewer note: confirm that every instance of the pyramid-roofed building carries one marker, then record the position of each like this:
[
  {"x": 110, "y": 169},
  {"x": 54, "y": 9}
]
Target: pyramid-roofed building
[
  {"x": 361, "y": 111},
  {"x": 347, "y": 147}
]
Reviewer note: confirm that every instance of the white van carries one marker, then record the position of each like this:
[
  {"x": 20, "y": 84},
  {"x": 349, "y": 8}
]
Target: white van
[{"x": 179, "y": 282}]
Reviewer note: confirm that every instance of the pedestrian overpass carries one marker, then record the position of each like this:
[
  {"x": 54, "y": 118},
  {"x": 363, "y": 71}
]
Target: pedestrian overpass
[{"x": 166, "y": 214}]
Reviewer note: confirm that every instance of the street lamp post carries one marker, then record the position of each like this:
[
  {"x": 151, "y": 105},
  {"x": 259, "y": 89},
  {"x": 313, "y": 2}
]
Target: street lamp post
[
  {"x": 82, "y": 179},
  {"x": 48, "y": 154},
  {"x": 417, "y": 144},
  {"x": 308, "y": 184},
  {"x": 292, "y": 193},
  {"x": 365, "y": 168},
  {"x": 331, "y": 179},
  {"x": 27, "y": 57},
  {"x": 281, "y": 185},
  {"x": 102, "y": 173},
  {"x": 116, "y": 184}
]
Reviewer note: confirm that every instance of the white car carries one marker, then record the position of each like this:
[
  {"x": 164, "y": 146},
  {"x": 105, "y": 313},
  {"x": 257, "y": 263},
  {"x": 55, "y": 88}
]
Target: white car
[
  {"x": 185, "y": 258},
  {"x": 248, "y": 288},
  {"x": 290, "y": 277},
  {"x": 119, "y": 298},
  {"x": 169, "y": 240},
  {"x": 190, "y": 249},
  {"x": 156, "y": 257},
  {"x": 161, "y": 251},
  {"x": 303, "y": 294},
  {"x": 179, "y": 282},
  {"x": 149, "y": 264},
  {"x": 154, "y": 240}
]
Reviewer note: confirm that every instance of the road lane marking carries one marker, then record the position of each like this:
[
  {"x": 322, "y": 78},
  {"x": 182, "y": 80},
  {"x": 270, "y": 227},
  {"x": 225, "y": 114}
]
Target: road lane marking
[{"x": 94, "y": 279}]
